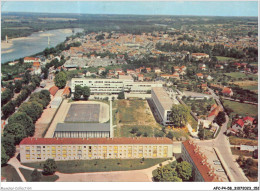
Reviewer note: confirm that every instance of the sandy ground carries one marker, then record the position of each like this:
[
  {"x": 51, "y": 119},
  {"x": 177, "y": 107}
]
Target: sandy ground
[
  {"x": 46, "y": 34},
  {"x": 43, "y": 122},
  {"x": 5, "y": 45}
]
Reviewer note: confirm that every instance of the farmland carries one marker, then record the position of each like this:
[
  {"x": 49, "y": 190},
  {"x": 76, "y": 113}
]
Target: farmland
[{"x": 242, "y": 108}]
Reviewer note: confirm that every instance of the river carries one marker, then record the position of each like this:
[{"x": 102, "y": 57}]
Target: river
[{"x": 36, "y": 42}]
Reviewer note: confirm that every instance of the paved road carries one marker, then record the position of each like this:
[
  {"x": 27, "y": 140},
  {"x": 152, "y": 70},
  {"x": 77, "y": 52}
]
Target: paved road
[{"x": 223, "y": 145}]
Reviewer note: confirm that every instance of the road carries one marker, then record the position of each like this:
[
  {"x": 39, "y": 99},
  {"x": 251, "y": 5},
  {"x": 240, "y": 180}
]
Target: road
[{"x": 223, "y": 145}]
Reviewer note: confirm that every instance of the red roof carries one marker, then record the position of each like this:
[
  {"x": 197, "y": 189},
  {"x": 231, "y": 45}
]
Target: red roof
[
  {"x": 17, "y": 79},
  {"x": 247, "y": 118},
  {"x": 199, "y": 74},
  {"x": 226, "y": 90},
  {"x": 31, "y": 58},
  {"x": 122, "y": 140},
  {"x": 240, "y": 122},
  {"x": 53, "y": 90},
  {"x": 66, "y": 91},
  {"x": 215, "y": 111},
  {"x": 197, "y": 159},
  {"x": 36, "y": 64}
]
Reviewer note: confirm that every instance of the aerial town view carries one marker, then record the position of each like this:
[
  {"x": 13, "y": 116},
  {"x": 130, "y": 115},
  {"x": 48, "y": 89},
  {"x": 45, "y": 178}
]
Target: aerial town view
[{"x": 132, "y": 94}]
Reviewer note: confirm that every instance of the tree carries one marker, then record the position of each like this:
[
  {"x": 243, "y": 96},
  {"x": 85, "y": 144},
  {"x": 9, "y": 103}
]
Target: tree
[
  {"x": 8, "y": 143},
  {"x": 49, "y": 167},
  {"x": 36, "y": 80},
  {"x": 184, "y": 170},
  {"x": 35, "y": 176},
  {"x": 179, "y": 115},
  {"x": 159, "y": 134},
  {"x": 45, "y": 72},
  {"x": 18, "y": 86},
  {"x": 60, "y": 80},
  {"x": 220, "y": 118},
  {"x": 78, "y": 92},
  {"x": 166, "y": 174},
  {"x": 134, "y": 130},
  {"x": 201, "y": 133},
  {"x": 32, "y": 109},
  {"x": 121, "y": 95},
  {"x": 23, "y": 119},
  {"x": 27, "y": 77},
  {"x": 17, "y": 130},
  {"x": 86, "y": 92},
  {"x": 6, "y": 96},
  {"x": 8, "y": 109},
  {"x": 169, "y": 135},
  {"x": 4, "y": 156}
]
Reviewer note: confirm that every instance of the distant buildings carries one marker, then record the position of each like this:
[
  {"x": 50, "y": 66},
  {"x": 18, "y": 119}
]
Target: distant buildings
[
  {"x": 199, "y": 55},
  {"x": 40, "y": 149}
]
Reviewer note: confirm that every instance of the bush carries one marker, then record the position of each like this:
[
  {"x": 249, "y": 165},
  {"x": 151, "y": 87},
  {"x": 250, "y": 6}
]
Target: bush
[{"x": 49, "y": 167}]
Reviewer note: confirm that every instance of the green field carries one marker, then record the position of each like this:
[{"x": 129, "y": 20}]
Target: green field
[
  {"x": 241, "y": 108},
  {"x": 223, "y": 58},
  {"x": 126, "y": 131},
  {"x": 27, "y": 175},
  {"x": 100, "y": 165},
  {"x": 252, "y": 88},
  {"x": 238, "y": 75},
  {"x": 10, "y": 174}
]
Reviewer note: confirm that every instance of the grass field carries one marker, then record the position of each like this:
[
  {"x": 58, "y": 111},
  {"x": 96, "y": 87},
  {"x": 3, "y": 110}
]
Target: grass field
[
  {"x": 101, "y": 165},
  {"x": 223, "y": 58},
  {"x": 237, "y": 75},
  {"x": 27, "y": 175},
  {"x": 126, "y": 131},
  {"x": 248, "y": 85},
  {"x": 10, "y": 174},
  {"x": 242, "y": 108},
  {"x": 236, "y": 151},
  {"x": 242, "y": 141}
]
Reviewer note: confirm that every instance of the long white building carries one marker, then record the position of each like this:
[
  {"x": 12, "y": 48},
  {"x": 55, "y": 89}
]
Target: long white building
[
  {"x": 113, "y": 86},
  {"x": 41, "y": 149},
  {"x": 163, "y": 104}
]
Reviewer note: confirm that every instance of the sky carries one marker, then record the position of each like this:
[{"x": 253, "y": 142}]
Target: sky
[{"x": 204, "y": 8}]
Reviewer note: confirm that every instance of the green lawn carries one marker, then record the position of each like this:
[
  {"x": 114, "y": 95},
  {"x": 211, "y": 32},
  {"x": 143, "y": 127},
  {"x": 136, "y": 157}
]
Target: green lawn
[
  {"x": 193, "y": 123},
  {"x": 27, "y": 175},
  {"x": 241, "y": 108},
  {"x": 100, "y": 165},
  {"x": 126, "y": 130},
  {"x": 10, "y": 174},
  {"x": 223, "y": 58},
  {"x": 253, "y": 88},
  {"x": 241, "y": 75}
]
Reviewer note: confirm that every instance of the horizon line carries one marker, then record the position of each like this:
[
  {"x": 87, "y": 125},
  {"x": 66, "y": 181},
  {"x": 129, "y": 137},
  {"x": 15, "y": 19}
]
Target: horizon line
[{"x": 126, "y": 14}]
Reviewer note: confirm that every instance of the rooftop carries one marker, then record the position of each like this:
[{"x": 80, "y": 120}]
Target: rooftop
[
  {"x": 82, "y": 127},
  {"x": 122, "y": 140},
  {"x": 200, "y": 162},
  {"x": 163, "y": 98}
]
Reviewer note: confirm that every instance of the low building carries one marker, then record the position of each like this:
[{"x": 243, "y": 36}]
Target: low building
[
  {"x": 82, "y": 130},
  {"x": 41, "y": 149},
  {"x": 199, "y": 55},
  {"x": 56, "y": 102},
  {"x": 227, "y": 92},
  {"x": 53, "y": 90},
  {"x": 30, "y": 59},
  {"x": 202, "y": 171},
  {"x": 163, "y": 104}
]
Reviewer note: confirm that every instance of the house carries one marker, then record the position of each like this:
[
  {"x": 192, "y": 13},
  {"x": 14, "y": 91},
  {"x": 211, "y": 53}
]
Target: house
[
  {"x": 248, "y": 120},
  {"x": 199, "y": 55},
  {"x": 183, "y": 68},
  {"x": 176, "y": 75},
  {"x": 208, "y": 124},
  {"x": 227, "y": 92},
  {"x": 237, "y": 126},
  {"x": 157, "y": 70},
  {"x": 214, "y": 112},
  {"x": 100, "y": 70},
  {"x": 202, "y": 66},
  {"x": 66, "y": 92},
  {"x": 117, "y": 71},
  {"x": 148, "y": 70},
  {"x": 128, "y": 71},
  {"x": 221, "y": 67},
  {"x": 36, "y": 68},
  {"x": 53, "y": 90},
  {"x": 203, "y": 86},
  {"x": 30, "y": 59},
  {"x": 140, "y": 77},
  {"x": 199, "y": 75},
  {"x": 208, "y": 77}
]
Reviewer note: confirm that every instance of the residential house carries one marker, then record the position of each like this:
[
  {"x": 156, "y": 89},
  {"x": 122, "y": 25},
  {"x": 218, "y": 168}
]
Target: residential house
[
  {"x": 198, "y": 56},
  {"x": 202, "y": 66},
  {"x": 157, "y": 70},
  {"x": 140, "y": 77},
  {"x": 214, "y": 112},
  {"x": 148, "y": 70},
  {"x": 237, "y": 126},
  {"x": 199, "y": 75},
  {"x": 53, "y": 90},
  {"x": 221, "y": 67},
  {"x": 227, "y": 92},
  {"x": 30, "y": 59},
  {"x": 248, "y": 120},
  {"x": 36, "y": 68},
  {"x": 100, "y": 70}
]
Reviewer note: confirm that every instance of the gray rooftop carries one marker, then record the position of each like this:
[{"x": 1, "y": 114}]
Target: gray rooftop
[{"x": 82, "y": 127}]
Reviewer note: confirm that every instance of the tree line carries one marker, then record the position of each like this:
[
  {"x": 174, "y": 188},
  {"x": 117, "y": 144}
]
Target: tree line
[{"x": 21, "y": 124}]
